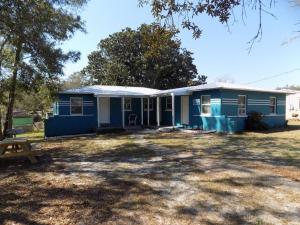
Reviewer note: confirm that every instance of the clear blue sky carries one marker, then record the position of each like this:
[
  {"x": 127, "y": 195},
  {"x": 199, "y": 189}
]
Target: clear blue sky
[{"x": 218, "y": 53}]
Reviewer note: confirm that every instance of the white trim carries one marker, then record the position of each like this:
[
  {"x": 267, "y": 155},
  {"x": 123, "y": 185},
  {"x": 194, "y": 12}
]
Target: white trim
[
  {"x": 104, "y": 103},
  {"x": 168, "y": 109},
  {"x": 265, "y": 115},
  {"x": 148, "y": 112},
  {"x": 76, "y": 114},
  {"x": 158, "y": 111},
  {"x": 274, "y": 115},
  {"x": 173, "y": 109},
  {"x": 128, "y": 98},
  {"x": 151, "y": 109},
  {"x": 98, "y": 112},
  {"x": 188, "y": 109},
  {"x": 123, "y": 111},
  {"x": 275, "y": 105},
  {"x": 245, "y": 96},
  {"x": 142, "y": 111},
  {"x": 205, "y": 114}
]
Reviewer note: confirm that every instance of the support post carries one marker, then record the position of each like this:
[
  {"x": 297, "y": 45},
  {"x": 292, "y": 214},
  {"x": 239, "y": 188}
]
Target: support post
[
  {"x": 173, "y": 110},
  {"x": 142, "y": 111},
  {"x": 158, "y": 111},
  {"x": 148, "y": 112},
  {"x": 123, "y": 112},
  {"x": 98, "y": 111}
]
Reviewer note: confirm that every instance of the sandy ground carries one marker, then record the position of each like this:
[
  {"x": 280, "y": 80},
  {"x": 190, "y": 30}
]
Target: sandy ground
[{"x": 169, "y": 178}]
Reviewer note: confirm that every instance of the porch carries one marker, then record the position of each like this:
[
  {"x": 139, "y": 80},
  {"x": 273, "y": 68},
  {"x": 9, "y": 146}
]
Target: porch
[{"x": 130, "y": 112}]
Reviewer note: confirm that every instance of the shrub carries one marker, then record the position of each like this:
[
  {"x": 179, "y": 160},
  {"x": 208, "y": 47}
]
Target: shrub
[
  {"x": 295, "y": 115},
  {"x": 255, "y": 122}
]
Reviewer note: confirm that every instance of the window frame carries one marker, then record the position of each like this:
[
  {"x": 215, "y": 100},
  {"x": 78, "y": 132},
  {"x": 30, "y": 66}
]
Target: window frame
[
  {"x": 245, "y": 114},
  {"x": 130, "y": 103},
  {"x": 169, "y": 109},
  {"x": 275, "y": 105},
  {"x": 205, "y": 114},
  {"x": 150, "y": 103},
  {"x": 76, "y": 114}
]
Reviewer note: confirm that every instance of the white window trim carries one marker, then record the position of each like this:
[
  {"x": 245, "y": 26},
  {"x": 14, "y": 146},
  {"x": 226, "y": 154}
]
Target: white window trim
[
  {"x": 150, "y": 101},
  {"x": 205, "y": 114},
  {"x": 76, "y": 114},
  {"x": 128, "y": 110},
  {"x": 271, "y": 113},
  {"x": 242, "y": 115},
  {"x": 167, "y": 109}
]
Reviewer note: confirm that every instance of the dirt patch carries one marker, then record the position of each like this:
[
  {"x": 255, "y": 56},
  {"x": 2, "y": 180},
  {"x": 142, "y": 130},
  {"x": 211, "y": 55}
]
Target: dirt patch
[{"x": 163, "y": 178}]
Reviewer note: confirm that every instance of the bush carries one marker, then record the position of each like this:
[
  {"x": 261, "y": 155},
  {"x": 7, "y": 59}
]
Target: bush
[
  {"x": 295, "y": 115},
  {"x": 254, "y": 122}
]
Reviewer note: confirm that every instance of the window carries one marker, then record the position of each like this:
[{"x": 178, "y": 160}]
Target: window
[
  {"x": 127, "y": 104},
  {"x": 273, "y": 103},
  {"x": 150, "y": 104},
  {"x": 168, "y": 103},
  {"x": 242, "y": 105},
  {"x": 205, "y": 104},
  {"x": 76, "y": 106}
]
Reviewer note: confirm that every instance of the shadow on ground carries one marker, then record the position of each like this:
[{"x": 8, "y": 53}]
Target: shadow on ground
[{"x": 145, "y": 183}]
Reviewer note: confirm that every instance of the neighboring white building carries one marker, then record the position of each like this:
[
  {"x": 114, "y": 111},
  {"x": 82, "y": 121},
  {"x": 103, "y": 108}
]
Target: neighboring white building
[{"x": 293, "y": 105}]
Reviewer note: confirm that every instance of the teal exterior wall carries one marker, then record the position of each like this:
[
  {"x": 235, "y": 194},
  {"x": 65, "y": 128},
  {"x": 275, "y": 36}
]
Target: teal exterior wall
[
  {"x": 255, "y": 101},
  {"x": 224, "y": 110},
  {"x": 65, "y": 124},
  {"x": 223, "y": 118}
]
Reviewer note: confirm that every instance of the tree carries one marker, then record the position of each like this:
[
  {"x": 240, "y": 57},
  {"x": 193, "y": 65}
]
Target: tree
[
  {"x": 150, "y": 56},
  {"x": 76, "y": 80},
  {"x": 291, "y": 87},
  {"x": 32, "y": 31},
  {"x": 188, "y": 12},
  {"x": 35, "y": 101}
]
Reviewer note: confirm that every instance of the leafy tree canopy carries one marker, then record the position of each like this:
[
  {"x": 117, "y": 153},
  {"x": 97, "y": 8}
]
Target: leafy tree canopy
[
  {"x": 31, "y": 33},
  {"x": 189, "y": 11},
  {"x": 150, "y": 56}
]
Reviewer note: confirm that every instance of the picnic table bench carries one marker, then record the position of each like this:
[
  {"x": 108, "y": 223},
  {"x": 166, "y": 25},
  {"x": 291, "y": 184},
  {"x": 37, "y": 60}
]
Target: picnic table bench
[{"x": 19, "y": 147}]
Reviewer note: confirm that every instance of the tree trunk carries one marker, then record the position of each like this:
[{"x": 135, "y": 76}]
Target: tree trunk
[
  {"x": 1, "y": 134},
  {"x": 12, "y": 90}
]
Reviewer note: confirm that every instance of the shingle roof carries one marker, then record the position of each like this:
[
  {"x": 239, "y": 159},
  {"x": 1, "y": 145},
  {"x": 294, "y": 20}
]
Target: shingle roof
[{"x": 103, "y": 90}]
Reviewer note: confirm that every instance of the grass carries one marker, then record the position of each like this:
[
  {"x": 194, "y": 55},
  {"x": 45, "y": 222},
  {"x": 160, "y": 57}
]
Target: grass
[
  {"x": 163, "y": 178},
  {"x": 34, "y": 135}
]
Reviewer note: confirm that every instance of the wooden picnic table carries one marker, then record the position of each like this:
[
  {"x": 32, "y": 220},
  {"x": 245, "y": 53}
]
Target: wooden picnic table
[{"x": 19, "y": 147}]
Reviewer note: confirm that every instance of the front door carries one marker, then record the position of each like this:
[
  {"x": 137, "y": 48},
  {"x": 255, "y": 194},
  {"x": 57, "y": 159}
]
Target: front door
[
  {"x": 104, "y": 110},
  {"x": 185, "y": 110}
]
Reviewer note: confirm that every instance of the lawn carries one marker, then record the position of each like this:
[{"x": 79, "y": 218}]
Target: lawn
[{"x": 162, "y": 178}]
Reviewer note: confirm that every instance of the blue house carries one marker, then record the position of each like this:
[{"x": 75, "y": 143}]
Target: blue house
[{"x": 218, "y": 106}]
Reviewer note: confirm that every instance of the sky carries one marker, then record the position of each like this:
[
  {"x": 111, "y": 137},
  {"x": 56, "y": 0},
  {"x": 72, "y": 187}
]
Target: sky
[{"x": 220, "y": 53}]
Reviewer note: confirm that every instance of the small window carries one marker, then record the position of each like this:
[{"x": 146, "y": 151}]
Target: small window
[
  {"x": 242, "y": 105},
  {"x": 146, "y": 104},
  {"x": 205, "y": 105},
  {"x": 127, "y": 104},
  {"x": 273, "y": 103},
  {"x": 76, "y": 106},
  {"x": 168, "y": 103}
]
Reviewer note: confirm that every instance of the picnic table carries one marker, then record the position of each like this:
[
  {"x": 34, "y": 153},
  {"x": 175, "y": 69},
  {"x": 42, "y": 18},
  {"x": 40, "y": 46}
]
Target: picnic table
[{"x": 18, "y": 147}]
